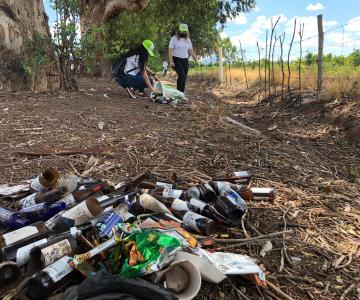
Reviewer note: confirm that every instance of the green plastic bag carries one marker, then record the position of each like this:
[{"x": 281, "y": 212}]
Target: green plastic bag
[
  {"x": 157, "y": 250},
  {"x": 169, "y": 95}
]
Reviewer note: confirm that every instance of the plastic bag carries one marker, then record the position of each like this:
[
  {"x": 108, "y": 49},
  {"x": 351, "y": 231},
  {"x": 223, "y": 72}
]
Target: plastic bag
[
  {"x": 157, "y": 250},
  {"x": 169, "y": 95}
]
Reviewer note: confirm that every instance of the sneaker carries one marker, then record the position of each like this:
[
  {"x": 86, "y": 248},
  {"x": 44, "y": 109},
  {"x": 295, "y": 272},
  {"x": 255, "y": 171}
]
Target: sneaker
[
  {"x": 141, "y": 95},
  {"x": 131, "y": 92}
]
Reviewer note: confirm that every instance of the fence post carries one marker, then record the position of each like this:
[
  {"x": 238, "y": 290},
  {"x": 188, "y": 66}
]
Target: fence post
[
  {"x": 257, "y": 44},
  {"x": 320, "y": 55},
  {"x": 243, "y": 63},
  {"x": 221, "y": 65}
]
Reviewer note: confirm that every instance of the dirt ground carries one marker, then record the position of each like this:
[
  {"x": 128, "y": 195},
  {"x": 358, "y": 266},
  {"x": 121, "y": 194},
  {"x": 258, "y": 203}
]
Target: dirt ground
[{"x": 309, "y": 153}]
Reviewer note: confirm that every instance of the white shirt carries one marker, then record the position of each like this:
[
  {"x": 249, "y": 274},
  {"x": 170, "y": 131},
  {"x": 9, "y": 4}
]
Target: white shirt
[
  {"x": 165, "y": 64},
  {"x": 132, "y": 62},
  {"x": 181, "y": 47}
]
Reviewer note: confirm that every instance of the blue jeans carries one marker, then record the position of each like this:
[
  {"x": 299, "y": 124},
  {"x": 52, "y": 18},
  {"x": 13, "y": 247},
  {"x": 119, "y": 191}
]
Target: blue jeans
[{"x": 133, "y": 81}]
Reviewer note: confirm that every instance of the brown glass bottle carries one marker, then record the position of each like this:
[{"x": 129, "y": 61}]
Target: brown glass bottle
[
  {"x": 167, "y": 193},
  {"x": 203, "y": 192},
  {"x": 40, "y": 197},
  {"x": 196, "y": 222},
  {"x": 10, "y": 273},
  {"x": 257, "y": 194},
  {"x": 80, "y": 195},
  {"x": 242, "y": 177},
  {"x": 132, "y": 183},
  {"x": 178, "y": 205},
  {"x": 20, "y": 251},
  {"x": 25, "y": 235},
  {"x": 218, "y": 186},
  {"x": 153, "y": 185},
  {"x": 46, "y": 180},
  {"x": 45, "y": 282},
  {"x": 80, "y": 214},
  {"x": 46, "y": 254}
]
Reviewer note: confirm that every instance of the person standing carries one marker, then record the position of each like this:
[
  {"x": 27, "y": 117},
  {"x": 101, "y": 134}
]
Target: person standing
[
  {"x": 165, "y": 67},
  {"x": 180, "y": 48}
]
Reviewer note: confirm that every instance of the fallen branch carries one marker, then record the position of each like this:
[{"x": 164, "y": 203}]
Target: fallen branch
[
  {"x": 260, "y": 237},
  {"x": 348, "y": 290},
  {"x": 345, "y": 264},
  {"x": 64, "y": 151},
  {"x": 244, "y": 129},
  {"x": 240, "y": 293},
  {"x": 278, "y": 291}
]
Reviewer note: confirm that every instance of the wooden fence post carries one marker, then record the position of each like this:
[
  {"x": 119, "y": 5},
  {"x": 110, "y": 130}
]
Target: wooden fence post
[
  {"x": 221, "y": 65},
  {"x": 288, "y": 62},
  {"x": 257, "y": 44},
  {"x": 282, "y": 39},
  {"x": 320, "y": 55},
  {"x": 243, "y": 63}
]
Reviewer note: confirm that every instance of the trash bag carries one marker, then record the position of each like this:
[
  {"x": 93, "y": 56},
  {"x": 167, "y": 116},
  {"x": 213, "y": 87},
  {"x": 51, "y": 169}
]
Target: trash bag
[
  {"x": 151, "y": 250},
  {"x": 103, "y": 286},
  {"x": 169, "y": 95}
]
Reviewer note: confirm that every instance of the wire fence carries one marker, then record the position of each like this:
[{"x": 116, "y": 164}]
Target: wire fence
[{"x": 286, "y": 68}]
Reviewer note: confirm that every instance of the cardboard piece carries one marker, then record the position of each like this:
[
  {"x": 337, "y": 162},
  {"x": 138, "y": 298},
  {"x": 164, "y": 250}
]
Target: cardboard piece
[{"x": 207, "y": 270}]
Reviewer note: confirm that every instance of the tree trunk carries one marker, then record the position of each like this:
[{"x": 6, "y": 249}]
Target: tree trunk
[
  {"x": 26, "y": 55},
  {"x": 95, "y": 12}
]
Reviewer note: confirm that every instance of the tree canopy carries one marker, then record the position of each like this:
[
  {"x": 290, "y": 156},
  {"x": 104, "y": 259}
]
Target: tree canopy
[{"x": 159, "y": 21}]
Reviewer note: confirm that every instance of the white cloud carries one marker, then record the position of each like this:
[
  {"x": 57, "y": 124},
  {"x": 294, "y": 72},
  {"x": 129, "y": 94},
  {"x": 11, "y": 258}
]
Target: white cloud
[
  {"x": 257, "y": 30},
  {"x": 240, "y": 19},
  {"x": 310, "y": 29},
  {"x": 314, "y": 7},
  {"x": 354, "y": 25},
  {"x": 223, "y": 35}
]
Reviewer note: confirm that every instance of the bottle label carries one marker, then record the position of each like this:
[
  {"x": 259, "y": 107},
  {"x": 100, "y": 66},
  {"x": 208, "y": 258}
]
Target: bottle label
[
  {"x": 36, "y": 185},
  {"x": 242, "y": 174},
  {"x": 28, "y": 201},
  {"x": 80, "y": 213},
  {"x": 5, "y": 214},
  {"x": 164, "y": 185},
  {"x": 198, "y": 203},
  {"x": 54, "y": 252},
  {"x": 59, "y": 269},
  {"x": 190, "y": 220},
  {"x": 22, "y": 254},
  {"x": 262, "y": 193},
  {"x": 179, "y": 205},
  {"x": 102, "y": 198},
  {"x": 19, "y": 234},
  {"x": 68, "y": 200},
  {"x": 222, "y": 185},
  {"x": 33, "y": 208},
  {"x": 52, "y": 221},
  {"x": 170, "y": 193}
]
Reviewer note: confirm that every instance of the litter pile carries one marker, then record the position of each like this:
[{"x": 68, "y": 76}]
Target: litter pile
[
  {"x": 169, "y": 95},
  {"x": 81, "y": 237}
]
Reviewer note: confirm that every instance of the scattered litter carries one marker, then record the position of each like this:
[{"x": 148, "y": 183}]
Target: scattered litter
[
  {"x": 101, "y": 125},
  {"x": 139, "y": 227}
]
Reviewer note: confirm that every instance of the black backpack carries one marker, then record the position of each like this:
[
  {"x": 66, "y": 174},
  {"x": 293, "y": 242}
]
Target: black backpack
[{"x": 118, "y": 67}]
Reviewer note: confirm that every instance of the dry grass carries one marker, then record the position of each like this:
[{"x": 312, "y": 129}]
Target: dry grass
[{"x": 337, "y": 81}]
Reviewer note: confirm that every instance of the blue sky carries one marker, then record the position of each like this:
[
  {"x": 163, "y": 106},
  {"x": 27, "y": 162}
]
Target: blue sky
[{"x": 251, "y": 27}]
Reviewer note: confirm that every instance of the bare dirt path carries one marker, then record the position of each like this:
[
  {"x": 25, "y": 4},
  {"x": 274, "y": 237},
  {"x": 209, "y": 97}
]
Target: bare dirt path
[{"x": 301, "y": 152}]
